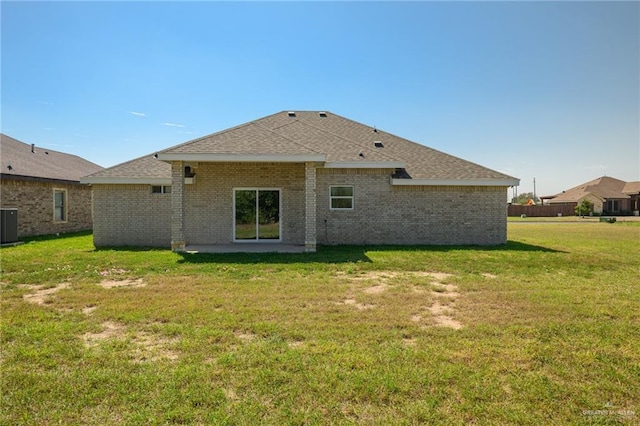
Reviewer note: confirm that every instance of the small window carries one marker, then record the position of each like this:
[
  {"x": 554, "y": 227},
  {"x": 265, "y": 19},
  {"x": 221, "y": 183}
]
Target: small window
[
  {"x": 341, "y": 197},
  {"x": 59, "y": 205},
  {"x": 161, "y": 189}
]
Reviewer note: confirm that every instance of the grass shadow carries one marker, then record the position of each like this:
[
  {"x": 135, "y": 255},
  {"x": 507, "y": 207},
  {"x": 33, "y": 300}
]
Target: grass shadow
[
  {"x": 61, "y": 236},
  {"x": 349, "y": 253}
]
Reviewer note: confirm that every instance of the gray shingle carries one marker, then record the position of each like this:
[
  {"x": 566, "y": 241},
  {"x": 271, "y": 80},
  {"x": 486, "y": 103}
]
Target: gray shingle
[
  {"x": 340, "y": 139},
  {"x": 18, "y": 159}
]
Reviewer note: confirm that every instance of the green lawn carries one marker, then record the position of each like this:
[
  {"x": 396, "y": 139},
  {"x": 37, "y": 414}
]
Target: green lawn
[{"x": 544, "y": 330}]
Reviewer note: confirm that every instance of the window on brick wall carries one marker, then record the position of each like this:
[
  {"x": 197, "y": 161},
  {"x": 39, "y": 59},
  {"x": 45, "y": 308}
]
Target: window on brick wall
[
  {"x": 161, "y": 189},
  {"x": 341, "y": 197},
  {"x": 59, "y": 205}
]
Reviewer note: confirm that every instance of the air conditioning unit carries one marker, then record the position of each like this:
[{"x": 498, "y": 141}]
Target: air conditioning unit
[{"x": 9, "y": 226}]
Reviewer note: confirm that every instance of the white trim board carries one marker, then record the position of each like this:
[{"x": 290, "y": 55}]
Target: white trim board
[
  {"x": 126, "y": 180},
  {"x": 244, "y": 158},
  {"x": 455, "y": 182}
]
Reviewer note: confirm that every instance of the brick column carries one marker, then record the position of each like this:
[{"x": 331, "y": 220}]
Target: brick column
[
  {"x": 310, "y": 207},
  {"x": 177, "y": 206}
]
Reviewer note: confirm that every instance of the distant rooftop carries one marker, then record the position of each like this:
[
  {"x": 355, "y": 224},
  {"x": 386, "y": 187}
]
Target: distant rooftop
[{"x": 24, "y": 160}]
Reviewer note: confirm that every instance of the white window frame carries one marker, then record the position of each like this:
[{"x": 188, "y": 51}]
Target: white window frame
[
  {"x": 163, "y": 189},
  {"x": 65, "y": 205},
  {"x": 351, "y": 197}
]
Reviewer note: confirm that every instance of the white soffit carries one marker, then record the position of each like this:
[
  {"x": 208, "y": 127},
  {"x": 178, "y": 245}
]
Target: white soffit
[
  {"x": 244, "y": 158},
  {"x": 127, "y": 180},
  {"x": 456, "y": 182},
  {"x": 364, "y": 165}
]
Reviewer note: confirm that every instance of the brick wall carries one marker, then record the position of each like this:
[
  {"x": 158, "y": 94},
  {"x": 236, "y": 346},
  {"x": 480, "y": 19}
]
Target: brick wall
[
  {"x": 130, "y": 215},
  {"x": 209, "y": 201},
  {"x": 34, "y": 201},
  {"x": 385, "y": 214}
]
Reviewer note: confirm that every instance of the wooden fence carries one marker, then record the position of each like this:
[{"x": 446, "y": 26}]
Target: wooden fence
[{"x": 541, "y": 211}]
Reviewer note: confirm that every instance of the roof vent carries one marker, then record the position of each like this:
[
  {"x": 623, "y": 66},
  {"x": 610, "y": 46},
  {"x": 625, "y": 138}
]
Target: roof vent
[
  {"x": 291, "y": 113},
  {"x": 374, "y": 129},
  {"x": 33, "y": 148},
  {"x": 378, "y": 144},
  {"x": 322, "y": 114}
]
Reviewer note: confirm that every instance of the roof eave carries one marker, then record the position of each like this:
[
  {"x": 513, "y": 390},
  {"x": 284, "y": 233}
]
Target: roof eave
[
  {"x": 456, "y": 182},
  {"x": 243, "y": 158},
  {"x": 364, "y": 165},
  {"x": 126, "y": 180}
]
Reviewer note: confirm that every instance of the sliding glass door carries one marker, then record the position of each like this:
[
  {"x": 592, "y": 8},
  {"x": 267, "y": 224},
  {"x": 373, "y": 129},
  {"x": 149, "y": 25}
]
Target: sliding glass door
[{"x": 257, "y": 214}]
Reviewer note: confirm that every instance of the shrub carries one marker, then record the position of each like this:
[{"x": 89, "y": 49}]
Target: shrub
[{"x": 584, "y": 208}]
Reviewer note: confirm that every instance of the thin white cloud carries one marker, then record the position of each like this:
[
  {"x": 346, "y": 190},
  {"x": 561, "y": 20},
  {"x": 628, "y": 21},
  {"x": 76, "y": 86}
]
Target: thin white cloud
[
  {"x": 173, "y": 125},
  {"x": 139, "y": 114}
]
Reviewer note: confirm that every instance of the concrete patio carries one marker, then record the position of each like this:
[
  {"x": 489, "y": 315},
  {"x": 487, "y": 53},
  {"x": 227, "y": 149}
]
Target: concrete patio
[{"x": 245, "y": 248}]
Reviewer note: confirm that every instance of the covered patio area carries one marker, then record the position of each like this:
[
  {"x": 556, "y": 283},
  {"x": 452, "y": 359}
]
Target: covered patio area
[{"x": 245, "y": 248}]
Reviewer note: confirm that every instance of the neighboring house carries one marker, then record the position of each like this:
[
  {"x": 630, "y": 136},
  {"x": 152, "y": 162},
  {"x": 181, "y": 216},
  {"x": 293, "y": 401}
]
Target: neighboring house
[
  {"x": 301, "y": 178},
  {"x": 44, "y": 186},
  {"x": 609, "y": 196},
  {"x": 632, "y": 189}
]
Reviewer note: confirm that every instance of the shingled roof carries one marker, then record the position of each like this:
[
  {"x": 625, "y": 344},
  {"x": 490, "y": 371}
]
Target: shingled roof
[
  {"x": 21, "y": 160},
  {"x": 317, "y": 136},
  {"x": 604, "y": 187}
]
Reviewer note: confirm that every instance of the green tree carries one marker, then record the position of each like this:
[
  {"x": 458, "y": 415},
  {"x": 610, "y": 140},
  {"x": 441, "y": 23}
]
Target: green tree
[{"x": 584, "y": 208}]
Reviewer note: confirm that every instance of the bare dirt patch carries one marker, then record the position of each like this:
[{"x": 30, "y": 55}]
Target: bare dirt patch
[
  {"x": 376, "y": 289},
  {"x": 489, "y": 275},
  {"x": 42, "y": 295},
  {"x": 354, "y": 303},
  {"x": 440, "y": 276},
  {"x": 88, "y": 310},
  {"x": 153, "y": 347},
  {"x": 383, "y": 276},
  {"x": 110, "y": 330},
  {"x": 123, "y": 283},
  {"x": 147, "y": 346},
  {"x": 440, "y": 315},
  {"x": 245, "y": 336},
  {"x": 445, "y": 290},
  {"x": 444, "y": 296}
]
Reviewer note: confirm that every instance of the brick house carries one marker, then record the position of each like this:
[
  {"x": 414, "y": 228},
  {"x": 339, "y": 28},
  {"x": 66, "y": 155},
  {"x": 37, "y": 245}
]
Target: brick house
[
  {"x": 610, "y": 196},
  {"x": 44, "y": 186},
  {"x": 299, "y": 178}
]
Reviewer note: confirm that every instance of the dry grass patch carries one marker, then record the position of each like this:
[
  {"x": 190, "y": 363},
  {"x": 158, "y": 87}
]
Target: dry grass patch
[
  {"x": 441, "y": 315},
  {"x": 42, "y": 295},
  {"x": 147, "y": 346},
  {"x": 245, "y": 336},
  {"x": 110, "y": 330},
  {"x": 376, "y": 289},
  {"x": 130, "y": 283},
  {"x": 151, "y": 347},
  {"x": 354, "y": 303},
  {"x": 88, "y": 310}
]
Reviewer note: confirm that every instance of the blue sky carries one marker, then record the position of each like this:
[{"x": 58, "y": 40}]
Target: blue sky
[{"x": 544, "y": 90}]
